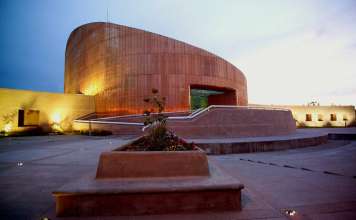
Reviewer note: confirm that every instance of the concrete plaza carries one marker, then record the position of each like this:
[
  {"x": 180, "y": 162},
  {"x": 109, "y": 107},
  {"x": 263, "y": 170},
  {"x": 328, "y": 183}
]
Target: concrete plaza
[{"x": 318, "y": 182}]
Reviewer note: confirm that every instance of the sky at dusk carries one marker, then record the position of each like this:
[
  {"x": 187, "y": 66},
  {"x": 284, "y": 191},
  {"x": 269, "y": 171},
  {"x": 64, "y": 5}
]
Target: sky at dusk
[{"x": 291, "y": 52}]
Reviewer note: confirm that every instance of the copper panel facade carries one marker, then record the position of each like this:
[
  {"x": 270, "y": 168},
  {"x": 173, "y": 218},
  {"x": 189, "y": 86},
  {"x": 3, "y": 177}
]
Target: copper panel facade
[{"x": 120, "y": 65}]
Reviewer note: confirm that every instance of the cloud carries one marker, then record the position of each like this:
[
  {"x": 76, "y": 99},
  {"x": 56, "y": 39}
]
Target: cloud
[
  {"x": 343, "y": 92},
  {"x": 317, "y": 63}
]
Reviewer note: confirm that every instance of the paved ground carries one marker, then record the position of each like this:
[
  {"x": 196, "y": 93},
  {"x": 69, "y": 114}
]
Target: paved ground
[
  {"x": 300, "y": 133},
  {"x": 317, "y": 182}
]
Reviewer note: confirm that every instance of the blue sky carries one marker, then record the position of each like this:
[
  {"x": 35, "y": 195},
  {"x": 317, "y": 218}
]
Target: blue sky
[{"x": 291, "y": 52}]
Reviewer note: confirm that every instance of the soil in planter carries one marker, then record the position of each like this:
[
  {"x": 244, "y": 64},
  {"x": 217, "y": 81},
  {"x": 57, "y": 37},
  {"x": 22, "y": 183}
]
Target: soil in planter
[{"x": 168, "y": 142}]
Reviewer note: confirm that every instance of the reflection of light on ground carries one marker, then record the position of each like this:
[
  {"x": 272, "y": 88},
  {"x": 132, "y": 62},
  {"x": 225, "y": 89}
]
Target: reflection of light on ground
[
  {"x": 8, "y": 127},
  {"x": 291, "y": 212}
]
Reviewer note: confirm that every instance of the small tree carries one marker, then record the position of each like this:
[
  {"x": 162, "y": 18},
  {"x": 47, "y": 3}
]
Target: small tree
[
  {"x": 159, "y": 103},
  {"x": 159, "y": 138},
  {"x": 156, "y": 122}
]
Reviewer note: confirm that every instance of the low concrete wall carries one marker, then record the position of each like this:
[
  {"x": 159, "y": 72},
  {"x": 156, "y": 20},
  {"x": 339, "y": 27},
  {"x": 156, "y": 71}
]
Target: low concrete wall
[
  {"x": 342, "y": 136},
  {"x": 218, "y": 122},
  {"x": 235, "y": 122},
  {"x": 114, "y": 204},
  {"x": 262, "y": 146}
]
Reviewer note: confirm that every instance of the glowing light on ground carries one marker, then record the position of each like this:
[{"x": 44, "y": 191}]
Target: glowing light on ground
[
  {"x": 57, "y": 118},
  {"x": 56, "y": 127},
  {"x": 8, "y": 127},
  {"x": 291, "y": 212}
]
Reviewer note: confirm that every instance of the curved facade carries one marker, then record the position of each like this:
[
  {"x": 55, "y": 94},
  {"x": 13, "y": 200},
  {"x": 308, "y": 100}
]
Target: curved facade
[{"x": 120, "y": 65}]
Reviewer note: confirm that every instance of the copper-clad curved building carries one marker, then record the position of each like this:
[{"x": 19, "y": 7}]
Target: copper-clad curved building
[{"x": 120, "y": 65}]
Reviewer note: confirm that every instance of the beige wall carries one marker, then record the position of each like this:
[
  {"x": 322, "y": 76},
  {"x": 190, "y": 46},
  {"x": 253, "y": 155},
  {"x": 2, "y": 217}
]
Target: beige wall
[
  {"x": 52, "y": 106},
  {"x": 321, "y": 112}
]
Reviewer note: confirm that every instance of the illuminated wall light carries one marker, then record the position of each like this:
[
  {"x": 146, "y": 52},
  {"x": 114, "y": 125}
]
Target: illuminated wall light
[
  {"x": 19, "y": 164},
  {"x": 93, "y": 88}
]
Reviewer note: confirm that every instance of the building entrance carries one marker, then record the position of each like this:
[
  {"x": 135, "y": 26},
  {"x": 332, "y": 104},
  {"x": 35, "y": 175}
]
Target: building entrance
[{"x": 203, "y": 96}]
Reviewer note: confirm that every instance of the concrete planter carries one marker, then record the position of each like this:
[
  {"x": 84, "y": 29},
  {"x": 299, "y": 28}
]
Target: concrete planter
[
  {"x": 150, "y": 182},
  {"x": 145, "y": 164}
]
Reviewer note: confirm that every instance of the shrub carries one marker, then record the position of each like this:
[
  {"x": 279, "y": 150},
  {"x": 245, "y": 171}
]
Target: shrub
[
  {"x": 159, "y": 138},
  {"x": 35, "y": 131}
]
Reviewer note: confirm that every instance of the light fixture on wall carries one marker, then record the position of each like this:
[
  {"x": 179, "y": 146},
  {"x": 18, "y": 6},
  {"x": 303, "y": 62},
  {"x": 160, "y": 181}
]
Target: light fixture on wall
[{"x": 92, "y": 88}]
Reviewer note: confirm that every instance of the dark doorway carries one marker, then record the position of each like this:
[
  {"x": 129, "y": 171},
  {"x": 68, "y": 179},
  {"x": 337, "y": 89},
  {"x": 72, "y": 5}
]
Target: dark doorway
[
  {"x": 203, "y": 96},
  {"x": 21, "y": 118}
]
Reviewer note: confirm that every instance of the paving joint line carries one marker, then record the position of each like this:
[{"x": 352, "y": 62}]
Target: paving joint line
[
  {"x": 43, "y": 158},
  {"x": 297, "y": 168}
]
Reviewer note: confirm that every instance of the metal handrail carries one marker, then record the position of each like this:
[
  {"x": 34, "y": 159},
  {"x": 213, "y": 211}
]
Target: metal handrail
[
  {"x": 196, "y": 111},
  {"x": 86, "y": 116},
  {"x": 191, "y": 116},
  {"x": 134, "y": 115},
  {"x": 108, "y": 122}
]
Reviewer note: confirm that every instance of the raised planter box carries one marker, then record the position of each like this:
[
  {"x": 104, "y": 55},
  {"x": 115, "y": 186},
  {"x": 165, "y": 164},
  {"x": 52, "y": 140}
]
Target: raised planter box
[
  {"x": 137, "y": 183},
  {"x": 138, "y": 164}
]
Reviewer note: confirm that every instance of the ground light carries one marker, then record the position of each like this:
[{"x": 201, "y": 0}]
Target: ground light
[
  {"x": 56, "y": 118},
  {"x": 290, "y": 212},
  {"x": 8, "y": 127}
]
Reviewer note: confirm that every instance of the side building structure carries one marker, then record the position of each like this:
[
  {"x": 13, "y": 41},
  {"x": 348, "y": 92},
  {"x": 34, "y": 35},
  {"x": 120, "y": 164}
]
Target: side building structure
[
  {"x": 22, "y": 110},
  {"x": 320, "y": 115}
]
